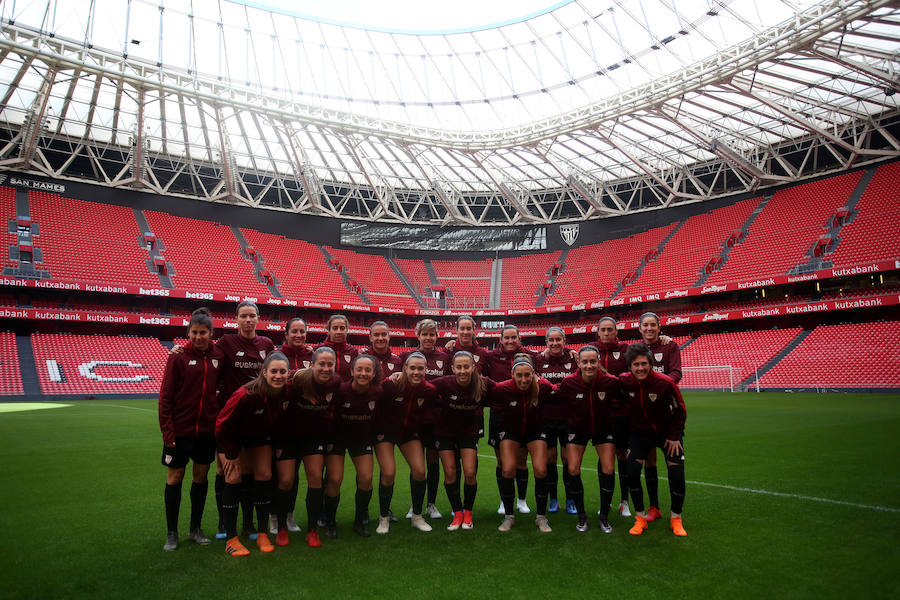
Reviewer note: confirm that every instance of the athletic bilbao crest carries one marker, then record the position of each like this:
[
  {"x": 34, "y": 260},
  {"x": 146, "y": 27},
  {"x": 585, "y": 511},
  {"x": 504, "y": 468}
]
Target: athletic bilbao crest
[
  {"x": 502, "y": 434},
  {"x": 168, "y": 458},
  {"x": 571, "y": 436},
  {"x": 657, "y": 356},
  {"x": 284, "y": 404},
  {"x": 305, "y": 364},
  {"x": 390, "y": 366},
  {"x": 513, "y": 403},
  {"x": 477, "y": 358},
  {"x": 616, "y": 355},
  {"x": 371, "y": 405},
  {"x": 262, "y": 354},
  {"x": 569, "y": 233},
  {"x": 278, "y": 453},
  {"x": 420, "y": 401},
  {"x": 347, "y": 357},
  {"x": 328, "y": 397},
  {"x": 568, "y": 366},
  {"x": 601, "y": 395},
  {"x": 652, "y": 397},
  {"x": 215, "y": 363},
  {"x": 439, "y": 363}
]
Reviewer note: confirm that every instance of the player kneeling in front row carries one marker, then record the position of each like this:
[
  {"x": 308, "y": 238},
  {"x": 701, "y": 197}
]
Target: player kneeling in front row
[{"x": 658, "y": 415}]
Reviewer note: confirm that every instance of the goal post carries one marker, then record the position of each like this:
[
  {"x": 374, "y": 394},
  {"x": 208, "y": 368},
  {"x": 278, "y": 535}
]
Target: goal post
[{"x": 709, "y": 377}]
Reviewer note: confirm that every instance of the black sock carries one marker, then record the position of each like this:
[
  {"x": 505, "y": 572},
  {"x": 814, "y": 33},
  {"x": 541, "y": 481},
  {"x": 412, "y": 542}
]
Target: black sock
[
  {"x": 247, "y": 500},
  {"x": 576, "y": 494},
  {"x": 282, "y": 504},
  {"x": 363, "y": 497},
  {"x": 417, "y": 489},
  {"x": 295, "y": 489},
  {"x": 552, "y": 480},
  {"x": 567, "y": 483},
  {"x": 498, "y": 472},
  {"x": 522, "y": 483},
  {"x": 313, "y": 508},
  {"x": 676, "y": 487},
  {"x": 469, "y": 495},
  {"x": 262, "y": 499},
  {"x": 198, "y": 502},
  {"x": 219, "y": 487},
  {"x": 385, "y": 493},
  {"x": 607, "y": 488},
  {"x": 651, "y": 477},
  {"x": 634, "y": 483},
  {"x": 508, "y": 494},
  {"x": 541, "y": 494},
  {"x": 331, "y": 505},
  {"x": 231, "y": 500},
  {"x": 433, "y": 477},
  {"x": 623, "y": 478},
  {"x": 172, "y": 497},
  {"x": 453, "y": 495}
]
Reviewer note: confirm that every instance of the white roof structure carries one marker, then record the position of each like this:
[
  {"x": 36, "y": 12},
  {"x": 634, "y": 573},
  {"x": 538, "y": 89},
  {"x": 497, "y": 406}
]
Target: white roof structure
[{"x": 585, "y": 109}]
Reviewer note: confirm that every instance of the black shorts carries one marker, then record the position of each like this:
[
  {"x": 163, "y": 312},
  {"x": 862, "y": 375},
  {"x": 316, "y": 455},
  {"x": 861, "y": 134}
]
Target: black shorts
[
  {"x": 426, "y": 434},
  {"x": 286, "y": 449},
  {"x": 201, "y": 450},
  {"x": 480, "y": 424},
  {"x": 308, "y": 446},
  {"x": 354, "y": 449},
  {"x": 523, "y": 440},
  {"x": 397, "y": 440},
  {"x": 606, "y": 437},
  {"x": 456, "y": 443},
  {"x": 621, "y": 431},
  {"x": 640, "y": 445},
  {"x": 494, "y": 426},
  {"x": 556, "y": 431}
]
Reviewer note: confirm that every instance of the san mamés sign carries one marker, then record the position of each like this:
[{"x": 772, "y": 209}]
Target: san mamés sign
[{"x": 31, "y": 184}]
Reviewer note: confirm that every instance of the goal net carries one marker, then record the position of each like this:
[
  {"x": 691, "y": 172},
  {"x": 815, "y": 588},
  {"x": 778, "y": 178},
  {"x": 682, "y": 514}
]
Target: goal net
[{"x": 708, "y": 377}]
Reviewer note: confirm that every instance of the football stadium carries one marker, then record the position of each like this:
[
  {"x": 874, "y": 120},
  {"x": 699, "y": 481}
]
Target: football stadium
[{"x": 356, "y": 262}]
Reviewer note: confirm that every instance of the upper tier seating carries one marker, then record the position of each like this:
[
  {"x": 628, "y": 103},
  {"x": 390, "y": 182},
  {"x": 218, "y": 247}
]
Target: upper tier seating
[
  {"x": 90, "y": 364},
  {"x": 206, "y": 256},
  {"x": 89, "y": 241},
  {"x": 841, "y": 356},
  {"x": 874, "y": 233},
  {"x": 10, "y": 375},
  {"x": 787, "y": 228},
  {"x": 374, "y": 274},
  {"x": 701, "y": 238},
  {"x": 523, "y": 276},
  {"x": 300, "y": 268},
  {"x": 468, "y": 282}
]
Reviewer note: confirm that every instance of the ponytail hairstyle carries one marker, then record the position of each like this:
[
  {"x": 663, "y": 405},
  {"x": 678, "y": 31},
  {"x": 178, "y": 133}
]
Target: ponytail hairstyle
[
  {"x": 534, "y": 390},
  {"x": 259, "y": 386},
  {"x": 403, "y": 379},
  {"x": 377, "y": 323},
  {"x": 479, "y": 387},
  {"x": 201, "y": 316},
  {"x": 304, "y": 379}
]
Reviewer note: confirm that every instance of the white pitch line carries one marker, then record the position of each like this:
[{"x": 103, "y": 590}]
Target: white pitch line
[
  {"x": 115, "y": 405},
  {"x": 769, "y": 493}
]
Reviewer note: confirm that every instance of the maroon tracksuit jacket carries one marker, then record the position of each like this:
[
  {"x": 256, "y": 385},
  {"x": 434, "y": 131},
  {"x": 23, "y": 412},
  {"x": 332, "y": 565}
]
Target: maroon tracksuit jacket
[
  {"x": 187, "y": 396},
  {"x": 345, "y": 355},
  {"x": 246, "y": 415},
  {"x": 298, "y": 358},
  {"x": 482, "y": 356},
  {"x": 500, "y": 365},
  {"x": 657, "y": 408},
  {"x": 399, "y": 414},
  {"x": 514, "y": 410},
  {"x": 354, "y": 413},
  {"x": 590, "y": 405},
  {"x": 666, "y": 359},
  {"x": 459, "y": 413},
  {"x": 312, "y": 418},
  {"x": 612, "y": 358},
  {"x": 437, "y": 363},
  {"x": 554, "y": 369},
  {"x": 390, "y": 362},
  {"x": 243, "y": 360}
]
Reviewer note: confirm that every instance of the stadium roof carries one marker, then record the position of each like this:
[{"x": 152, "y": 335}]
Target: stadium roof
[{"x": 568, "y": 111}]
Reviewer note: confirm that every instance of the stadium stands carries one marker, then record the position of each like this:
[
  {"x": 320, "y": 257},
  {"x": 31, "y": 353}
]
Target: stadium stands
[
  {"x": 597, "y": 270},
  {"x": 468, "y": 282},
  {"x": 89, "y": 241},
  {"x": 199, "y": 264},
  {"x": 10, "y": 375},
  {"x": 744, "y": 351},
  {"x": 523, "y": 276},
  {"x": 787, "y": 229},
  {"x": 874, "y": 233},
  {"x": 700, "y": 239},
  {"x": 300, "y": 268},
  {"x": 415, "y": 272},
  {"x": 841, "y": 356},
  {"x": 374, "y": 274},
  {"x": 93, "y": 364}
]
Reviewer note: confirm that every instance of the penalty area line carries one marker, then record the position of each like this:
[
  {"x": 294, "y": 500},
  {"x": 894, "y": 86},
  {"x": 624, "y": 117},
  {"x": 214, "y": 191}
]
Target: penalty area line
[{"x": 747, "y": 490}]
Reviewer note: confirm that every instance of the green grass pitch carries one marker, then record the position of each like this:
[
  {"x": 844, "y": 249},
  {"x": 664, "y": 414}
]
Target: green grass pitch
[{"x": 789, "y": 495}]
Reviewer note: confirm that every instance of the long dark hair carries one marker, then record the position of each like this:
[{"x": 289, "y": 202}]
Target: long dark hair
[
  {"x": 305, "y": 381},
  {"x": 477, "y": 379}
]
